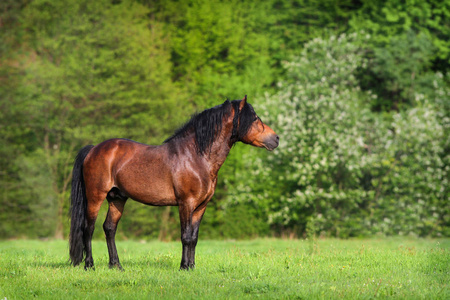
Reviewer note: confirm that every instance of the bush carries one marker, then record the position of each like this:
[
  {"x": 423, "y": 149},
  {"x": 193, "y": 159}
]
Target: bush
[{"x": 341, "y": 168}]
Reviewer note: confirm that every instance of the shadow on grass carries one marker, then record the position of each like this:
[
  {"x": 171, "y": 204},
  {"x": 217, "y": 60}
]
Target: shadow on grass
[
  {"x": 162, "y": 262},
  {"x": 51, "y": 264}
]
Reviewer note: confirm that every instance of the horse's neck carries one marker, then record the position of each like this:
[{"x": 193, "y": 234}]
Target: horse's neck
[{"x": 220, "y": 149}]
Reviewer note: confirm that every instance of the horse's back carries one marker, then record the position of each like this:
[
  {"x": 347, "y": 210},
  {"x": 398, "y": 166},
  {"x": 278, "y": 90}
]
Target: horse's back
[
  {"x": 139, "y": 171},
  {"x": 111, "y": 154}
]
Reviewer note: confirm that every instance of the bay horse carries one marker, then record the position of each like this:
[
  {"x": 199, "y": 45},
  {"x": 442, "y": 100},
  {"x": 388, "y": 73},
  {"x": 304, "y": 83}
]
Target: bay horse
[{"x": 181, "y": 172}]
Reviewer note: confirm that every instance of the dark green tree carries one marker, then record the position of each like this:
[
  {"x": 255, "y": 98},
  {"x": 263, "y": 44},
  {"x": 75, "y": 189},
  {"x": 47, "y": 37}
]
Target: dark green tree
[{"x": 88, "y": 71}]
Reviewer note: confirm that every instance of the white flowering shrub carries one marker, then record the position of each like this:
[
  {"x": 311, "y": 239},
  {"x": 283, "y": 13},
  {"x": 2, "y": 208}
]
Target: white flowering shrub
[
  {"x": 407, "y": 175},
  {"x": 341, "y": 169}
]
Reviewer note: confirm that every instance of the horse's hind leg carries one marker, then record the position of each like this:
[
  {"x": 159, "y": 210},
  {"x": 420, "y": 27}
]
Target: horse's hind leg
[
  {"x": 94, "y": 203},
  {"x": 115, "y": 210}
]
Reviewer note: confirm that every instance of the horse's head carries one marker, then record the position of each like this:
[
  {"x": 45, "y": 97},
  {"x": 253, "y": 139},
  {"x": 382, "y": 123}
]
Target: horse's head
[{"x": 252, "y": 130}]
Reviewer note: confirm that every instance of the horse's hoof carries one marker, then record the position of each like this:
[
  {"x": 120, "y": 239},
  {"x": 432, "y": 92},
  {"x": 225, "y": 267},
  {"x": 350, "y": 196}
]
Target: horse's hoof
[
  {"x": 187, "y": 267},
  {"x": 116, "y": 266},
  {"x": 89, "y": 268}
]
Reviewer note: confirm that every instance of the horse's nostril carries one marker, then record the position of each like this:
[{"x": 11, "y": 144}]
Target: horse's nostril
[{"x": 278, "y": 138}]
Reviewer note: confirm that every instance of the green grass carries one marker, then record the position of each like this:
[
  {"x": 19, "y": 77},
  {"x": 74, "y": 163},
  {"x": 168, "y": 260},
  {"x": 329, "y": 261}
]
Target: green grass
[{"x": 265, "y": 268}]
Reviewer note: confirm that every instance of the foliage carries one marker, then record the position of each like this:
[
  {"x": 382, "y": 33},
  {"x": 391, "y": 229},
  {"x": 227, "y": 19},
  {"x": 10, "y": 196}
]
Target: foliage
[
  {"x": 97, "y": 61},
  {"x": 393, "y": 18},
  {"x": 216, "y": 50},
  {"x": 409, "y": 43},
  {"x": 398, "y": 71},
  {"x": 394, "y": 268},
  {"x": 339, "y": 165},
  {"x": 78, "y": 72}
]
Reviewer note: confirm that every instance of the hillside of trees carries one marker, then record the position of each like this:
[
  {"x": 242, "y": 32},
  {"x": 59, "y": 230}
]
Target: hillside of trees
[{"x": 358, "y": 92}]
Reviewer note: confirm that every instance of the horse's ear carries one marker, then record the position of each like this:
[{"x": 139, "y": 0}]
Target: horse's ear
[{"x": 242, "y": 104}]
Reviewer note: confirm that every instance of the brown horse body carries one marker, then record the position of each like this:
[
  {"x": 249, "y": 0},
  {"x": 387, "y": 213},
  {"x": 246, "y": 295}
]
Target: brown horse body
[{"x": 181, "y": 172}]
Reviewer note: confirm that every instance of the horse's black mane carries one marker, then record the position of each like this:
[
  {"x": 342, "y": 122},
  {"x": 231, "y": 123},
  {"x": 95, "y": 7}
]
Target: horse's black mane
[{"x": 207, "y": 125}]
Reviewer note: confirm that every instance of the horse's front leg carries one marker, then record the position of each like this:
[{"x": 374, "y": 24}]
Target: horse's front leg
[
  {"x": 185, "y": 212},
  {"x": 190, "y": 222},
  {"x": 196, "y": 219}
]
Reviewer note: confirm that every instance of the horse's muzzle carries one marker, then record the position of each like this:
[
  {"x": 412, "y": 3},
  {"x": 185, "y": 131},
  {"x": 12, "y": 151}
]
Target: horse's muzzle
[{"x": 271, "y": 142}]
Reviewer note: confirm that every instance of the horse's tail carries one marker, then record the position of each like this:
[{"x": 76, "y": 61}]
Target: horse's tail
[{"x": 78, "y": 205}]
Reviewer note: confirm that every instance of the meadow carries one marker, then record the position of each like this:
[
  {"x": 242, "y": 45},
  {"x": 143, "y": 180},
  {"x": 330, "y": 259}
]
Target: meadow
[{"x": 398, "y": 268}]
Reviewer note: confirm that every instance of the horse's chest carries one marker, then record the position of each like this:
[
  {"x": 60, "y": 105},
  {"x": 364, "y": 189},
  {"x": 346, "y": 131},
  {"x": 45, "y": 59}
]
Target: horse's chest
[{"x": 212, "y": 188}]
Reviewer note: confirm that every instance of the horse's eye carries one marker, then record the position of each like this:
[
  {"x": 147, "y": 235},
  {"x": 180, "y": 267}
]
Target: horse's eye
[{"x": 256, "y": 118}]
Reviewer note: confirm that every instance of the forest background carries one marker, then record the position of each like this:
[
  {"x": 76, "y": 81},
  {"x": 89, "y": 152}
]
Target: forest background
[{"x": 357, "y": 90}]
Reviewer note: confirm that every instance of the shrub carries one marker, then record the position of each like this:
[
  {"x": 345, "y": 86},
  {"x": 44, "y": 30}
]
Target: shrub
[{"x": 341, "y": 168}]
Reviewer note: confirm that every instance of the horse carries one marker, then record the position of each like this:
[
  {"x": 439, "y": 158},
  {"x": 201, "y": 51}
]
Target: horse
[{"x": 182, "y": 172}]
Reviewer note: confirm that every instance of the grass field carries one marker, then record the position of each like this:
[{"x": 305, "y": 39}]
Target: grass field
[{"x": 265, "y": 268}]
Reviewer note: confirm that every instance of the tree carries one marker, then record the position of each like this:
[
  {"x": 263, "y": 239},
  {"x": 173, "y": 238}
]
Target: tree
[
  {"x": 391, "y": 18},
  {"x": 96, "y": 71}
]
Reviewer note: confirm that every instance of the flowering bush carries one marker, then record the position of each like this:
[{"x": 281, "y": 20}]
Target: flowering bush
[{"x": 342, "y": 169}]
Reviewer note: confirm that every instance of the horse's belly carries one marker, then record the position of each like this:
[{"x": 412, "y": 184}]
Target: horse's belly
[{"x": 151, "y": 190}]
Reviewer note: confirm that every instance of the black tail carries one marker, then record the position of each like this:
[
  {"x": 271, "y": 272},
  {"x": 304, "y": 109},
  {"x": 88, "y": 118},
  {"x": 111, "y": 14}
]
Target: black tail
[{"x": 77, "y": 211}]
